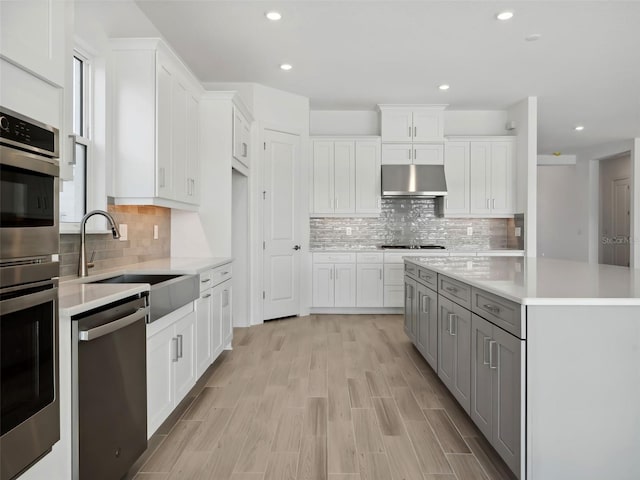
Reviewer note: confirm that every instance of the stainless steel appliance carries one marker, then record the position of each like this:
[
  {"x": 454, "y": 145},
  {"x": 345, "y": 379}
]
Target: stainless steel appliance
[
  {"x": 109, "y": 379},
  {"x": 413, "y": 247},
  {"x": 29, "y": 404},
  {"x": 422, "y": 181},
  {"x": 29, "y": 187},
  {"x": 30, "y": 412}
]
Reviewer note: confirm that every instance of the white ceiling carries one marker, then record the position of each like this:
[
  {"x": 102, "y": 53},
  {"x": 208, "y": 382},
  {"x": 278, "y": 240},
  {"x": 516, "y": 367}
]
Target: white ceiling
[{"x": 353, "y": 55}]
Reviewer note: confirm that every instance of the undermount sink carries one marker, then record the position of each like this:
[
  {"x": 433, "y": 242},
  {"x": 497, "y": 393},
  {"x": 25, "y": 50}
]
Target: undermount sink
[{"x": 168, "y": 292}]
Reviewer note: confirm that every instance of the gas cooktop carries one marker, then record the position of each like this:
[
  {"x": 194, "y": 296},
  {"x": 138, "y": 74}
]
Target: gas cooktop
[{"x": 414, "y": 247}]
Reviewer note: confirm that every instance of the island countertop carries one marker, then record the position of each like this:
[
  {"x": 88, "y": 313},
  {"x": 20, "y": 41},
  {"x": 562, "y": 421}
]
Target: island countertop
[{"x": 541, "y": 281}]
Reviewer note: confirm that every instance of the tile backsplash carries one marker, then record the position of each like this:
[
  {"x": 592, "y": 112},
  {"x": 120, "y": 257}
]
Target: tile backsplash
[
  {"x": 139, "y": 247},
  {"x": 411, "y": 221}
]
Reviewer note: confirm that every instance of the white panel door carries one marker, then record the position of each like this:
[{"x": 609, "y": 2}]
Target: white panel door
[
  {"x": 323, "y": 285},
  {"x": 370, "y": 285},
  {"x": 204, "y": 316},
  {"x": 323, "y": 175},
  {"x": 428, "y": 154},
  {"x": 179, "y": 142},
  {"x": 427, "y": 126},
  {"x": 397, "y": 154},
  {"x": 502, "y": 178},
  {"x": 480, "y": 179},
  {"x": 345, "y": 285},
  {"x": 621, "y": 221},
  {"x": 161, "y": 356},
  {"x": 367, "y": 177},
  {"x": 344, "y": 172},
  {"x": 185, "y": 376},
  {"x": 481, "y": 410},
  {"x": 397, "y": 126},
  {"x": 164, "y": 135},
  {"x": 281, "y": 230},
  {"x": 456, "y": 171}
]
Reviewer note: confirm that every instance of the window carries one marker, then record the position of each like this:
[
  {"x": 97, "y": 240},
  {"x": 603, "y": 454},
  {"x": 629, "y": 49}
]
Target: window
[{"x": 73, "y": 193}]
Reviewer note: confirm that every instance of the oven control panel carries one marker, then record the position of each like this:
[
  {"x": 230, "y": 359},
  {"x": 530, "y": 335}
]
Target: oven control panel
[{"x": 19, "y": 131}]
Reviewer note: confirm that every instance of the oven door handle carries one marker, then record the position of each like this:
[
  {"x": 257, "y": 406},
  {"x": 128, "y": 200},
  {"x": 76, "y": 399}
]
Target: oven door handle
[
  {"x": 31, "y": 300},
  {"x": 97, "y": 332}
]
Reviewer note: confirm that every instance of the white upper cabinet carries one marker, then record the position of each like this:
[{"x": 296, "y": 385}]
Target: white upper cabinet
[
  {"x": 346, "y": 176},
  {"x": 156, "y": 122},
  {"x": 412, "y": 123},
  {"x": 428, "y": 154},
  {"x": 33, "y": 35},
  {"x": 397, "y": 153},
  {"x": 456, "y": 172},
  {"x": 480, "y": 175},
  {"x": 241, "y": 137}
]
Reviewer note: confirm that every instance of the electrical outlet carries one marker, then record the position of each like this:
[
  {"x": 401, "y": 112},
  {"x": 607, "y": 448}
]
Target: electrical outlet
[
  {"x": 518, "y": 232},
  {"x": 155, "y": 232},
  {"x": 124, "y": 232},
  {"x": 469, "y": 230},
  {"x": 348, "y": 230}
]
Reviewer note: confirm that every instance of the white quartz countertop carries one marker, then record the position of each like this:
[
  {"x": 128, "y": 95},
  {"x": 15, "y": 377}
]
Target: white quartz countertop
[
  {"x": 77, "y": 296},
  {"x": 541, "y": 281},
  {"x": 426, "y": 252}
]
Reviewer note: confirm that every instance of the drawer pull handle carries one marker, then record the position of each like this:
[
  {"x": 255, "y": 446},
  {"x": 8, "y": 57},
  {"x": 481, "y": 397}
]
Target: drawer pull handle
[
  {"x": 491, "y": 365},
  {"x": 485, "y": 361},
  {"x": 492, "y": 308},
  {"x": 206, "y": 295},
  {"x": 224, "y": 273},
  {"x": 205, "y": 280},
  {"x": 451, "y": 289}
]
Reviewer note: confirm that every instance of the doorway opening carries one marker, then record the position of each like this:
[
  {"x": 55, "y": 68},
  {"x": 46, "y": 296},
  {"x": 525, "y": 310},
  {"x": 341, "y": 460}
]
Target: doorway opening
[{"x": 614, "y": 225}]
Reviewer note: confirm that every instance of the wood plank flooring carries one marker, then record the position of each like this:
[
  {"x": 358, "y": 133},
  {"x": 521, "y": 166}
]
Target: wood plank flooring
[{"x": 324, "y": 397}]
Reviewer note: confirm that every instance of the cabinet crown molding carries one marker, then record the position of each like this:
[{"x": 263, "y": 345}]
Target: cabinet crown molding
[
  {"x": 480, "y": 138},
  {"x": 232, "y": 96}
]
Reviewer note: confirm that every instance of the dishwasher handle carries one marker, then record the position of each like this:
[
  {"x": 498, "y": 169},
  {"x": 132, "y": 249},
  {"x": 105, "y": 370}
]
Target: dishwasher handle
[{"x": 97, "y": 332}]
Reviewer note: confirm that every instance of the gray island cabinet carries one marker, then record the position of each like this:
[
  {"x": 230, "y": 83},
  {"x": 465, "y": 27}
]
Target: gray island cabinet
[{"x": 544, "y": 356}]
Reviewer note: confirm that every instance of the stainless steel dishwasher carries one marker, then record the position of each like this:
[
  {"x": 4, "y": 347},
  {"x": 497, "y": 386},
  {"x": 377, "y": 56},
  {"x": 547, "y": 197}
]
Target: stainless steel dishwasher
[{"x": 109, "y": 368}]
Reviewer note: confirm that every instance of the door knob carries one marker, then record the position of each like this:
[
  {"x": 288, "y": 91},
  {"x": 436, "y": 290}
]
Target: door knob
[{"x": 297, "y": 247}]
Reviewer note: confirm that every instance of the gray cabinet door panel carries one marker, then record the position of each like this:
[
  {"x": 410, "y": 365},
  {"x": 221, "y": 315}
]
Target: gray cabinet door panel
[
  {"x": 462, "y": 339},
  {"x": 481, "y": 376},
  {"x": 507, "y": 396},
  {"x": 446, "y": 343},
  {"x": 427, "y": 334},
  {"x": 409, "y": 307}
]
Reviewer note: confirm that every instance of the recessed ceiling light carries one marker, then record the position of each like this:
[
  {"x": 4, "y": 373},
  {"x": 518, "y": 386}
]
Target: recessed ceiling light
[
  {"x": 273, "y": 16},
  {"x": 504, "y": 16},
  {"x": 286, "y": 66},
  {"x": 533, "y": 37},
  {"x": 578, "y": 128},
  {"x": 444, "y": 87}
]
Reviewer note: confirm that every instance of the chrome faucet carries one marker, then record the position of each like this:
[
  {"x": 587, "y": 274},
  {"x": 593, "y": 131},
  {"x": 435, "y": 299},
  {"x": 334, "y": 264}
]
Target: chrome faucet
[{"x": 83, "y": 267}]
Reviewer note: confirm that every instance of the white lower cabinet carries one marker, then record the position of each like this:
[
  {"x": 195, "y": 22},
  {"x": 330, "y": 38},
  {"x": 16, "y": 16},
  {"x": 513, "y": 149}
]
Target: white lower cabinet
[
  {"x": 496, "y": 383},
  {"x": 204, "y": 331},
  {"x": 454, "y": 349},
  {"x": 171, "y": 368},
  {"x": 223, "y": 293},
  {"x": 334, "y": 285},
  {"x": 370, "y": 285}
]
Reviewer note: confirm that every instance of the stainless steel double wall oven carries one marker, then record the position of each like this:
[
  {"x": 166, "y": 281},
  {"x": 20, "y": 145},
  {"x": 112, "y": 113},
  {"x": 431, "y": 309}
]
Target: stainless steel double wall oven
[{"x": 29, "y": 236}]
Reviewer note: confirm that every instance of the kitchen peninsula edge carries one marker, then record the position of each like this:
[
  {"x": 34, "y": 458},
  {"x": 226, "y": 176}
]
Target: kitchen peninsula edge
[{"x": 558, "y": 393}]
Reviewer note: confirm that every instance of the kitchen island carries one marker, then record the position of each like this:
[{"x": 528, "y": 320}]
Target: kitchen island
[{"x": 544, "y": 355}]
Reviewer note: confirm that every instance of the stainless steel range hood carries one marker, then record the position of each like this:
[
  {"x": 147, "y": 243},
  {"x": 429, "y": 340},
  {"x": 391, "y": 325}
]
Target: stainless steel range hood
[{"x": 423, "y": 181}]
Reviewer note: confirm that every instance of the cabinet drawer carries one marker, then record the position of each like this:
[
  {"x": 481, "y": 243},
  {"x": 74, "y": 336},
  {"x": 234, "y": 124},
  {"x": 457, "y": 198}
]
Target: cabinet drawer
[
  {"x": 220, "y": 274},
  {"x": 206, "y": 280},
  {"x": 411, "y": 269},
  {"x": 455, "y": 291},
  {"x": 334, "y": 257},
  {"x": 370, "y": 257},
  {"x": 499, "y": 311},
  {"x": 428, "y": 277}
]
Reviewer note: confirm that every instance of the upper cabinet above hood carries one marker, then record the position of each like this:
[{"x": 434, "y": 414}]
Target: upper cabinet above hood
[{"x": 423, "y": 181}]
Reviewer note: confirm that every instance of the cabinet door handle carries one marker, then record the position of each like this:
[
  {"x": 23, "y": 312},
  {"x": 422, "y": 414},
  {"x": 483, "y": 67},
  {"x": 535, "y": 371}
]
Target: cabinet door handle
[
  {"x": 409, "y": 291},
  {"x": 484, "y": 350},
  {"x": 415, "y": 132},
  {"x": 426, "y": 304},
  {"x": 380, "y": 274},
  {"x": 206, "y": 295},
  {"x": 491, "y": 365},
  {"x": 487, "y": 203},
  {"x": 492, "y": 308},
  {"x": 331, "y": 274},
  {"x": 415, "y": 154},
  {"x": 225, "y": 301},
  {"x": 174, "y": 340},
  {"x": 244, "y": 149},
  {"x": 409, "y": 131},
  {"x": 179, "y": 346},
  {"x": 337, "y": 203},
  {"x": 453, "y": 320},
  {"x": 493, "y": 203},
  {"x": 410, "y": 151}
]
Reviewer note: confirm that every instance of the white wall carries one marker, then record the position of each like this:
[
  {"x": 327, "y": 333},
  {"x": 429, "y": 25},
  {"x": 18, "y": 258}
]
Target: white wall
[
  {"x": 561, "y": 232},
  {"x": 525, "y": 115},
  {"x": 344, "y": 122}
]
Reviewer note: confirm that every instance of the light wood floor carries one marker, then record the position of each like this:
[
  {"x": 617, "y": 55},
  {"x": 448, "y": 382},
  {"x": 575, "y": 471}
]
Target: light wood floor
[{"x": 336, "y": 397}]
